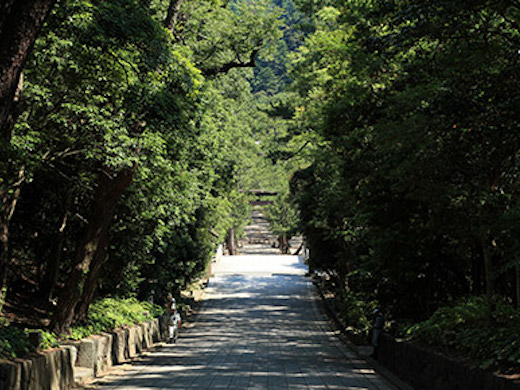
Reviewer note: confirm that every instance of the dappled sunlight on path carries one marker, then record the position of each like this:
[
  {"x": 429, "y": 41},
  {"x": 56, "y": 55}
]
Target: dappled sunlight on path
[{"x": 259, "y": 329}]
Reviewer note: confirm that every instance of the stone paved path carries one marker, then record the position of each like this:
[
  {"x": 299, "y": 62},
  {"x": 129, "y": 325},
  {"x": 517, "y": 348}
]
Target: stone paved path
[{"x": 259, "y": 328}]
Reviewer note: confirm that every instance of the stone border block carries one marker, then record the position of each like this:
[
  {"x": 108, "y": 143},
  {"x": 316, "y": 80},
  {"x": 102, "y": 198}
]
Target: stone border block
[
  {"x": 54, "y": 370},
  {"x": 119, "y": 346},
  {"x": 10, "y": 375},
  {"x": 51, "y": 370}
]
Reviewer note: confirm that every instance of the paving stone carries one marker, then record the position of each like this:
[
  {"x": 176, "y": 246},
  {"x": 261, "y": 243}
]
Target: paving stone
[{"x": 259, "y": 328}]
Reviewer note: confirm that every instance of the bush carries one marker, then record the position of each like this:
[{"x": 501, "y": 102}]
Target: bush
[
  {"x": 49, "y": 340},
  {"x": 355, "y": 309},
  {"x": 491, "y": 339},
  {"x": 352, "y": 307},
  {"x": 104, "y": 315},
  {"x": 111, "y": 313},
  {"x": 14, "y": 342}
]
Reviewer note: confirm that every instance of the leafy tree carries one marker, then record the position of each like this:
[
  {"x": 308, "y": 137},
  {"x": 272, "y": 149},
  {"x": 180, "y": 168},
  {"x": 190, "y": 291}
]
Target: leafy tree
[
  {"x": 133, "y": 162},
  {"x": 283, "y": 220},
  {"x": 413, "y": 99},
  {"x": 20, "y": 24}
]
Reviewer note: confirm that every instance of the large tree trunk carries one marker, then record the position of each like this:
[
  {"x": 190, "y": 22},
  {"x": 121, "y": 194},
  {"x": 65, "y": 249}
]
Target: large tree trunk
[
  {"x": 172, "y": 15},
  {"x": 52, "y": 268},
  {"x": 89, "y": 291},
  {"x": 108, "y": 192},
  {"x": 21, "y": 23}
]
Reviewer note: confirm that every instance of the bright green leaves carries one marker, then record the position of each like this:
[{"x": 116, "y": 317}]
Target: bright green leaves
[{"x": 224, "y": 35}]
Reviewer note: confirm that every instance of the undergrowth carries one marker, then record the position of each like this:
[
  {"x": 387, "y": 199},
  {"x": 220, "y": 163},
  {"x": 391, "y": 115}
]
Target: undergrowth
[
  {"x": 467, "y": 329},
  {"x": 14, "y": 342},
  {"x": 491, "y": 339},
  {"x": 104, "y": 315},
  {"x": 112, "y": 313}
]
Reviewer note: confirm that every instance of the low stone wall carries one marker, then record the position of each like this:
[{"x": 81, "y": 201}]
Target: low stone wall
[
  {"x": 51, "y": 370},
  {"x": 56, "y": 369},
  {"x": 425, "y": 370}
]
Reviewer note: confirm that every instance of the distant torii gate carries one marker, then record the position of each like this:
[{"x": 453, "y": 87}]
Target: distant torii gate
[{"x": 257, "y": 202}]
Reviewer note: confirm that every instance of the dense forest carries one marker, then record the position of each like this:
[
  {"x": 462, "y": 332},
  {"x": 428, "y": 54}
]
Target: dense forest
[
  {"x": 131, "y": 131},
  {"x": 411, "y": 202},
  {"x": 132, "y": 134}
]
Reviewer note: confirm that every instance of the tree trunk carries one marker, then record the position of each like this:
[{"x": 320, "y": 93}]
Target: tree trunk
[
  {"x": 517, "y": 280},
  {"x": 7, "y": 207},
  {"x": 488, "y": 269},
  {"x": 89, "y": 291},
  {"x": 107, "y": 195},
  {"x": 284, "y": 244},
  {"x": 52, "y": 268},
  {"x": 173, "y": 14},
  {"x": 476, "y": 271},
  {"x": 21, "y": 23},
  {"x": 231, "y": 241},
  {"x": 489, "y": 275}
]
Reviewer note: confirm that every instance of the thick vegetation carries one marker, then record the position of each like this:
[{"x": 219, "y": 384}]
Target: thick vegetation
[
  {"x": 127, "y": 155},
  {"x": 104, "y": 315},
  {"x": 388, "y": 130},
  {"x": 412, "y": 198}
]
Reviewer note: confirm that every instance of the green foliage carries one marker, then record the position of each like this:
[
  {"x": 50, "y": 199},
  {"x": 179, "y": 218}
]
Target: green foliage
[
  {"x": 49, "y": 340},
  {"x": 109, "y": 88},
  {"x": 283, "y": 216},
  {"x": 413, "y": 182},
  {"x": 487, "y": 337},
  {"x": 355, "y": 309},
  {"x": 411, "y": 197},
  {"x": 112, "y": 313},
  {"x": 104, "y": 315},
  {"x": 14, "y": 342}
]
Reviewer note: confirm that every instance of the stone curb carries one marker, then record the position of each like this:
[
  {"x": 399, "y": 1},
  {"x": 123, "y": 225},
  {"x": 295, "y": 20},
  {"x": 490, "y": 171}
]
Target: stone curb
[
  {"x": 49, "y": 370},
  {"x": 79, "y": 361}
]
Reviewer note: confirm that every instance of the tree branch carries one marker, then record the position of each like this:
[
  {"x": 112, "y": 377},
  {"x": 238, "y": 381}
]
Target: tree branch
[
  {"x": 173, "y": 14},
  {"x": 233, "y": 64}
]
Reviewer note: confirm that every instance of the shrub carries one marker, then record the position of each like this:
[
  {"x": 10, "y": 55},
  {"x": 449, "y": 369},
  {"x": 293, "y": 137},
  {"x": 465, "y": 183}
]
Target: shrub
[
  {"x": 49, "y": 340},
  {"x": 14, "y": 342},
  {"x": 104, "y": 315},
  {"x": 355, "y": 309},
  {"x": 111, "y": 313},
  {"x": 491, "y": 339}
]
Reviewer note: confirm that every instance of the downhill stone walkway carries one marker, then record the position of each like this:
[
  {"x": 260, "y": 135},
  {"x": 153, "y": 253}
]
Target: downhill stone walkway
[{"x": 259, "y": 328}]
